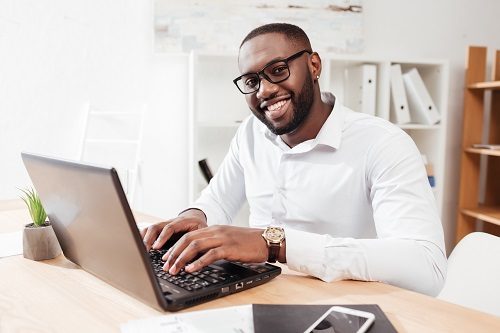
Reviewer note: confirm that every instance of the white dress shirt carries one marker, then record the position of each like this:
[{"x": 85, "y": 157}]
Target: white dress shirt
[{"x": 355, "y": 202}]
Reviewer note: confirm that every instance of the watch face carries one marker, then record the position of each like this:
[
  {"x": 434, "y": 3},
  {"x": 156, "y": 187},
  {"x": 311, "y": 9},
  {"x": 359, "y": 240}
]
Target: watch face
[{"x": 274, "y": 234}]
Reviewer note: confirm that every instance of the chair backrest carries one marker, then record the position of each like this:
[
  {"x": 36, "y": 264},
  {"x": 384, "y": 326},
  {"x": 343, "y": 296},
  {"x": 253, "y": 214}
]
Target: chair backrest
[
  {"x": 114, "y": 138},
  {"x": 473, "y": 278}
]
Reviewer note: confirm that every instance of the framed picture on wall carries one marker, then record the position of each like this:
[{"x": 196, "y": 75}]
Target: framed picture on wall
[{"x": 218, "y": 26}]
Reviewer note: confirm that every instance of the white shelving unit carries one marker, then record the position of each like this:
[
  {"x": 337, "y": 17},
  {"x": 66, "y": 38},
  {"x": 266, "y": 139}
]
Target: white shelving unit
[{"x": 217, "y": 108}]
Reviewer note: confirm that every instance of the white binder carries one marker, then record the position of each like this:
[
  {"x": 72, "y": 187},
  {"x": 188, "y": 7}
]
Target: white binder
[
  {"x": 400, "y": 112},
  {"x": 422, "y": 108},
  {"x": 361, "y": 87}
]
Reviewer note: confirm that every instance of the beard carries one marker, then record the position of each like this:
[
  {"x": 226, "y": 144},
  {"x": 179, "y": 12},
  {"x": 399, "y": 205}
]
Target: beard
[{"x": 301, "y": 104}]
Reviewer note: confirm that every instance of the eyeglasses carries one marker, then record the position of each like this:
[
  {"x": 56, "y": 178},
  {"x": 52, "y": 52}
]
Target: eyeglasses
[{"x": 275, "y": 72}]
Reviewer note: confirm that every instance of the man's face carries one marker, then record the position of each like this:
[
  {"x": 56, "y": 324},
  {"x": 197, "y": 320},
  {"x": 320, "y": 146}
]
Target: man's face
[{"x": 283, "y": 106}]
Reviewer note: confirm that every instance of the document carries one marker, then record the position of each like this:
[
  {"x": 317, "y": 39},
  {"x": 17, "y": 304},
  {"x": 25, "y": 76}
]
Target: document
[
  {"x": 235, "y": 319},
  {"x": 422, "y": 108},
  {"x": 400, "y": 112},
  {"x": 11, "y": 244},
  {"x": 361, "y": 88}
]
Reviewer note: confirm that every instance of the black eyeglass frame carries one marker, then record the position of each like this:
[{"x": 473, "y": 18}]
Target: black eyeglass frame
[{"x": 261, "y": 73}]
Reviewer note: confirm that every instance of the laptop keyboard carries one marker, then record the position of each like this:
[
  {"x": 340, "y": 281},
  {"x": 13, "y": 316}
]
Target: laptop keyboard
[{"x": 203, "y": 278}]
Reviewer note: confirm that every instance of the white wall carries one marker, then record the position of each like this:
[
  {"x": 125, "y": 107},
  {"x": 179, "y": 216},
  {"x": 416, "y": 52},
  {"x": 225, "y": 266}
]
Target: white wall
[{"x": 56, "y": 55}]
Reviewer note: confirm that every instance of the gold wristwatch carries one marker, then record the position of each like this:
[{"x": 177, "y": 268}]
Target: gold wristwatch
[{"x": 274, "y": 237}]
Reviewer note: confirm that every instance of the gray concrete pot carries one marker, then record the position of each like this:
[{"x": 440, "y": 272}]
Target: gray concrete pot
[{"x": 40, "y": 243}]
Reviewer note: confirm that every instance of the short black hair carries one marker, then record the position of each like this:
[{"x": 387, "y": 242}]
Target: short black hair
[{"x": 292, "y": 32}]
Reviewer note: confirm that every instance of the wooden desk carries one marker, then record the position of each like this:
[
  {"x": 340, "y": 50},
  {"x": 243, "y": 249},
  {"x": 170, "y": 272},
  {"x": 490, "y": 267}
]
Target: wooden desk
[{"x": 57, "y": 296}]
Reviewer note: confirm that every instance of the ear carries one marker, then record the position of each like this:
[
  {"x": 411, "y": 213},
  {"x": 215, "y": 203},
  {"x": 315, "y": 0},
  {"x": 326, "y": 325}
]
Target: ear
[{"x": 315, "y": 66}]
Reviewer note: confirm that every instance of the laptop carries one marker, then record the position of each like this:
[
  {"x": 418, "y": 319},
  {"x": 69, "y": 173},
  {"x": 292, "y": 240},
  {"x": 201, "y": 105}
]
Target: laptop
[{"x": 96, "y": 229}]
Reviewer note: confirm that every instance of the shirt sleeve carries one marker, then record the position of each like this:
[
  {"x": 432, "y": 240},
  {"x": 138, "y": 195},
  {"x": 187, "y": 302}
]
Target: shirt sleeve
[
  {"x": 409, "y": 249},
  {"x": 225, "y": 194}
]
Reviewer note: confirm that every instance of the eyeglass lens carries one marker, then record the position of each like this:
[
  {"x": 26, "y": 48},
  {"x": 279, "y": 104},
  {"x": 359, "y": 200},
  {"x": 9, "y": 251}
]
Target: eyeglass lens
[{"x": 275, "y": 73}]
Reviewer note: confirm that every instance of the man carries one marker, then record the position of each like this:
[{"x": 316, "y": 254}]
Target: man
[{"x": 333, "y": 193}]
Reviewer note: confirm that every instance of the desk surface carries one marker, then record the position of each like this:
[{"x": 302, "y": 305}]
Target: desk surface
[{"x": 57, "y": 296}]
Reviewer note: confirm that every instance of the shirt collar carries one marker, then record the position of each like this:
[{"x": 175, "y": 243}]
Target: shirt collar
[{"x": 330, "y": 133}]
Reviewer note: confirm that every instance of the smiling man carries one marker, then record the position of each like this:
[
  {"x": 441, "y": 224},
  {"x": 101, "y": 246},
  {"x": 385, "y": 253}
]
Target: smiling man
[{"x": 334, "y": 193}]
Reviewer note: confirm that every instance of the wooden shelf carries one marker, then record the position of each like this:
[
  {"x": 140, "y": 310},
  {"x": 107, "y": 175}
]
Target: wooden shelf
[
  {"x": 223, "y": 124},
  {"x": 112, "y": 141},
  {"x": 478, "y": 176},
  {"x": 419, "y": 127},
  {"x": 488, "y": 85},
  {"x": 490, "y": 214},
  {"x": 490, "y": 152}
]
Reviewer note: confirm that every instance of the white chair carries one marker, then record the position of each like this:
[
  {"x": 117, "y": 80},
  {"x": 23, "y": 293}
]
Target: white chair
[
  {"x": 114, "y": 138},
  {"x": 473, "y": 278}
]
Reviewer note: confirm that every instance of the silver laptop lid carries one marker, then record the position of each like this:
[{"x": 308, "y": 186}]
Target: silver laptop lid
[{"x": 94, "y": 223}]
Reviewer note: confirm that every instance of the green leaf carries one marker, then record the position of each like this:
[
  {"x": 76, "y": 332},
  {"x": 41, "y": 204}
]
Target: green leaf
[{"x": 35, "y": 207}]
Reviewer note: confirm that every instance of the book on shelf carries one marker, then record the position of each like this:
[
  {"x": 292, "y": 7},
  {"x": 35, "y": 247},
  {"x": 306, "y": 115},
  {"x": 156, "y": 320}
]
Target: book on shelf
[
  {"x": 400, "y": 112},
  {"x": 361, "y": 88},
  {"x": 486, "y": 146},
  {"x": 429, "y": 168},
  {"x": 422, "y": 107}
]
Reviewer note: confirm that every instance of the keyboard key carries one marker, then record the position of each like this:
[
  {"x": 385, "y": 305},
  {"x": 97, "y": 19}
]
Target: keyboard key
[{"x": 207, "y": 276}]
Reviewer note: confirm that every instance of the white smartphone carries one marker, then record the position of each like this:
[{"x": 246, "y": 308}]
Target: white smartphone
[{"x": 339, "y": 319}]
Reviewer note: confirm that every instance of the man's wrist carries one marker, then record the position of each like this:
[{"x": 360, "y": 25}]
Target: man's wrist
[
  {"x": 194, "y": 211},
  {"x": 282, "y": 255},
  {"x": 274, "y": 237}
]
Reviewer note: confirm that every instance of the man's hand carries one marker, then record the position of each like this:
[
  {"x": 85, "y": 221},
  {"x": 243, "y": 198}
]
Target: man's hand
[
  {"x": 216, "y": 242},
  {"x": 156, "y": 235}
]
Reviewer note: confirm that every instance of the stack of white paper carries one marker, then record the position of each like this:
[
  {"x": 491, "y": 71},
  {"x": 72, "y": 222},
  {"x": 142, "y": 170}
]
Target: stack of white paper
[
  {"x": 231, "y": 319},
  {"x": 11, "y": 244},
  {"x": 422, "y": 107}
]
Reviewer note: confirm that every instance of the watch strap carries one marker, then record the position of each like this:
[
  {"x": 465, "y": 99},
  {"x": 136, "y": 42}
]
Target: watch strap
[{"x": 274, "y": 252}]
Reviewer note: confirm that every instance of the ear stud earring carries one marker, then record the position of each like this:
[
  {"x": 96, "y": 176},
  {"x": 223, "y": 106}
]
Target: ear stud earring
[{"x": 317, "y": 77}]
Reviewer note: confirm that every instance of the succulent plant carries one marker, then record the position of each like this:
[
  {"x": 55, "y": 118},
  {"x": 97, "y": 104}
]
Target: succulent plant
[{"x": 37, "y": 213}]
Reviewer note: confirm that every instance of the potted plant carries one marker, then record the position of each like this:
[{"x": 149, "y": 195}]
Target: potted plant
[{"x": 39, "y": 240}]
